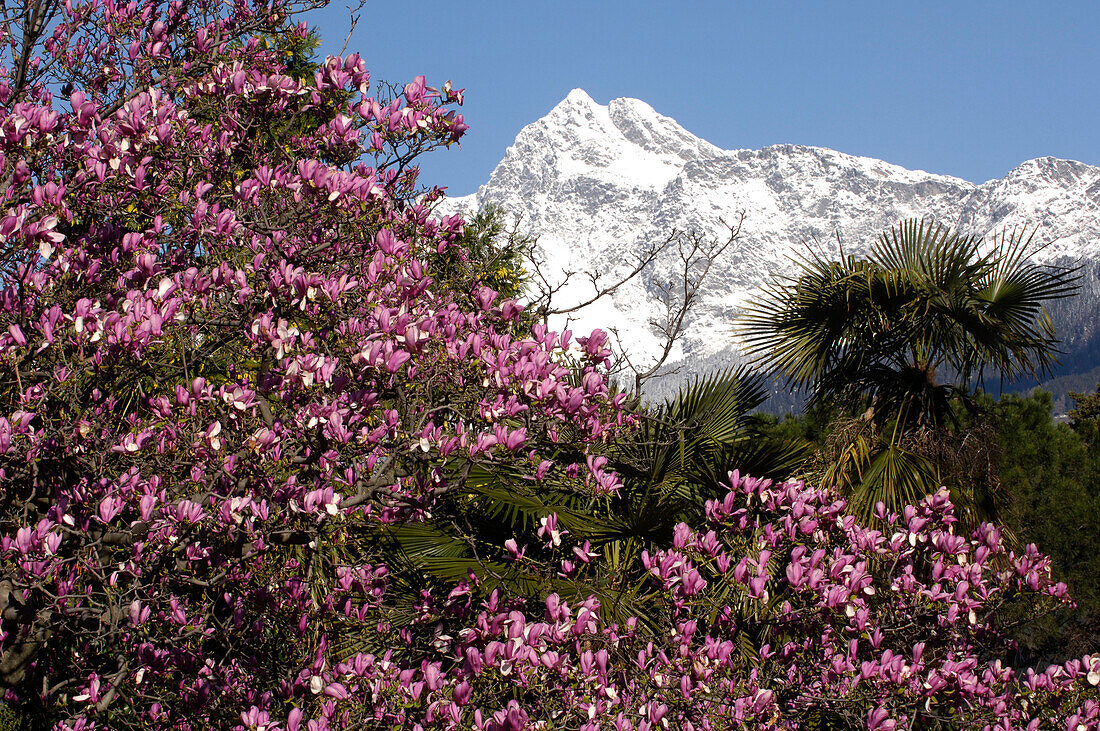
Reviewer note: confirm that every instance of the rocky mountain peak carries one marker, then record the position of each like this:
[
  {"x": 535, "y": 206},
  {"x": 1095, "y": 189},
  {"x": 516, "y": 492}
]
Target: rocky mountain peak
[{"x": 598, "y": 182}]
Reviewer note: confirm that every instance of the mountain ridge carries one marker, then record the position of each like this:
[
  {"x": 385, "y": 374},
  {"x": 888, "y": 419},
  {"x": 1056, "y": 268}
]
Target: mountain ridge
[{"x": 597, "y": 182}]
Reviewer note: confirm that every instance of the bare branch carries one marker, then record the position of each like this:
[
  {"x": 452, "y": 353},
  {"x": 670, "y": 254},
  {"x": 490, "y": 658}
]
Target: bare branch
[
  {"x": 678, "y": 294},
  {"x": 599, "y": 290},
  {"x": 354, "y": 14}
]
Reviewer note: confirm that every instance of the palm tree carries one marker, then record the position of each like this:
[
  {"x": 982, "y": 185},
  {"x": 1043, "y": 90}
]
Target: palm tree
[
  {"x": 678, "y": 458},
  {"x": 907, "y": 332}
]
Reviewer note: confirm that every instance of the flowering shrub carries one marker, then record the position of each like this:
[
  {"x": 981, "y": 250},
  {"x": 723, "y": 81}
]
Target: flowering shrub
[
  {"x": 780, "y": 611},
  {"x": 223, "y": 356},
  {"x": 226, "y": 363}
]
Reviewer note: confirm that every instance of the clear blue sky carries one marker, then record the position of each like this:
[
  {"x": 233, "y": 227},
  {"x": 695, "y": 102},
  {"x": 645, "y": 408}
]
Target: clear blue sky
[{"x": 962, "y": 88}]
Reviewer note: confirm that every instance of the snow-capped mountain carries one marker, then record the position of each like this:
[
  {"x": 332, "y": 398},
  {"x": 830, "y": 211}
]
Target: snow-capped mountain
[{"x": 598, "y": 182}]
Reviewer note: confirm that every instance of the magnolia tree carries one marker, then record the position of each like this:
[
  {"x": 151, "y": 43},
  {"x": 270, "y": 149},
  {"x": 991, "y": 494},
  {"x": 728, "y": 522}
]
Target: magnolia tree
[
  {"x": 223, "y": 356},
  {"x": 225, "y": 365}
]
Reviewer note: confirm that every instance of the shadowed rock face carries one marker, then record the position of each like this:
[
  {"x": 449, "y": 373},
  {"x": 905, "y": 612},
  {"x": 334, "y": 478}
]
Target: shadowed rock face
[{"x": 597, "y": 182}]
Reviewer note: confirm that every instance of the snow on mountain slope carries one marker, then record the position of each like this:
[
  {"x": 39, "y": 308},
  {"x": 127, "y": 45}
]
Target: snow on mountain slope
[{"x": 597, "y": 182}]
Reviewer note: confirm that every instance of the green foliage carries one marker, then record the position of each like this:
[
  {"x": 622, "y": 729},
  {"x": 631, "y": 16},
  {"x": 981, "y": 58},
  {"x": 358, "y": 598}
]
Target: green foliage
[
  {"x": 490, "y": 254},
  {"x": 896, "y": 468},
  {"x": 1084, "y": 417},
  {"x": 926, "y": 305},
  {"x": 9, "y": 718},
  {"x": 13, "y": 719},
  {"x": 905, "y": 332},
  {"x": 677, "y": 458},
  {"x": 1049, "y": 473},
  {"x": 681, "y": 455},
  {"x": 298, "y": 53},
  {"x": 1045, "y": 476},
  {"x": 812, "y": 425}
]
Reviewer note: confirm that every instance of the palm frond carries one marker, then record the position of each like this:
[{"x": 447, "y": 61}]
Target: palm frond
[
  {"x": 896, "y": 477},
  {"x": 926, "y": 299}
]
